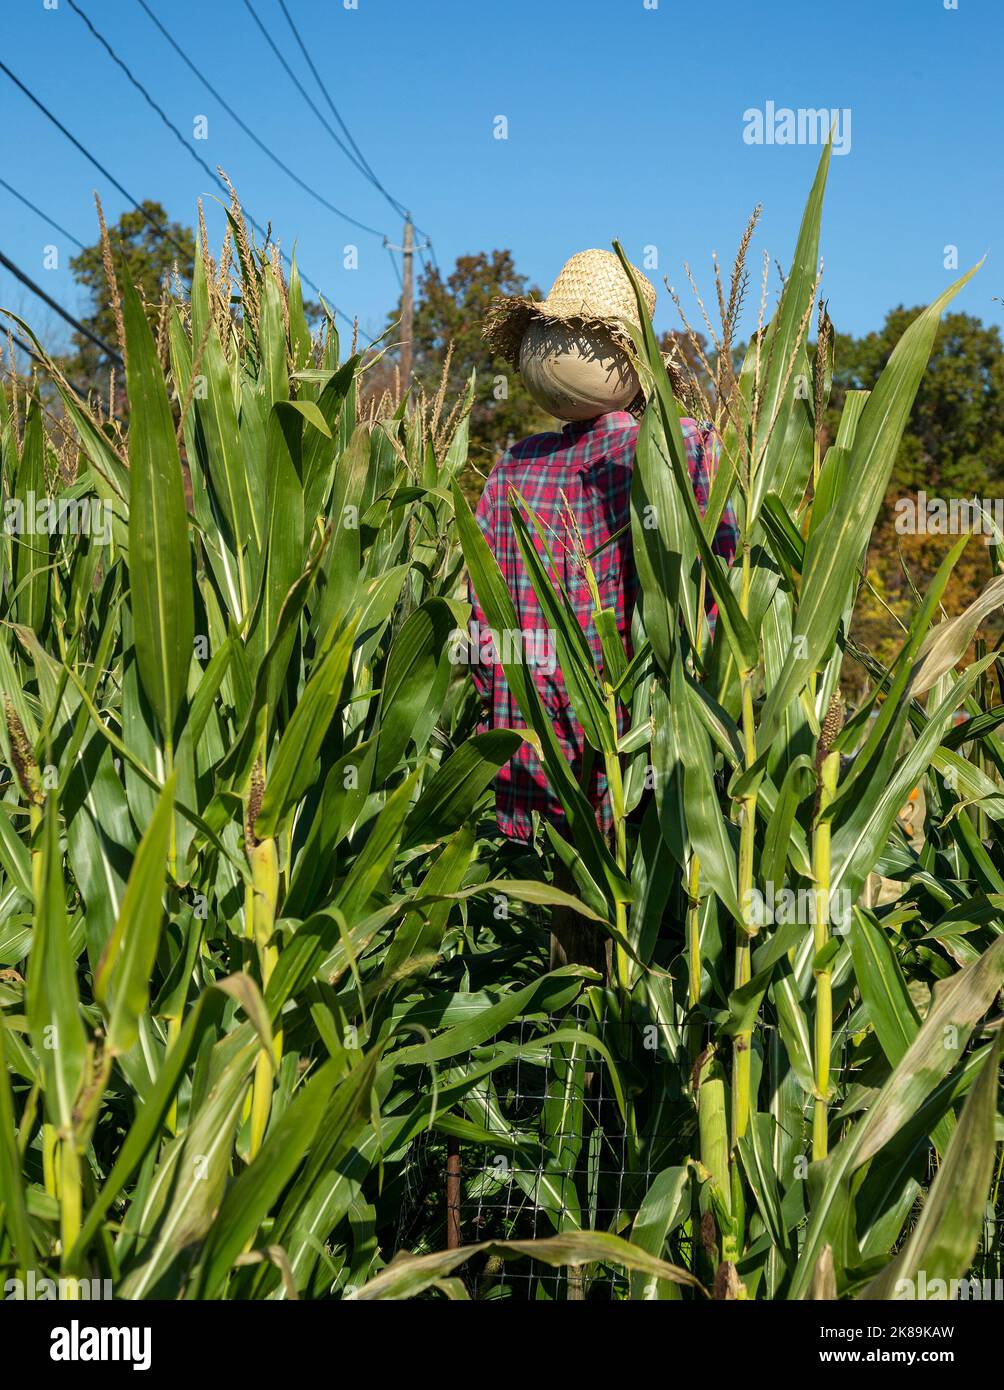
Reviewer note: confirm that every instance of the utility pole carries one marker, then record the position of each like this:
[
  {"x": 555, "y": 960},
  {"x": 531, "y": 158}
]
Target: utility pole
[
  {"x": 407, "y": 250},
  {"x": 407, "y": 304}
]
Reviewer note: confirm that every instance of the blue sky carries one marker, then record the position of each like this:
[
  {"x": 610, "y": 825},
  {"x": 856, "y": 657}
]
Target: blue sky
[{"x": 623, "y": 120}]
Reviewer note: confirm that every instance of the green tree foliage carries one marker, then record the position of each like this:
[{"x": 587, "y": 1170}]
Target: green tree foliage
[
  {"x": 953, "y": 446},
  {"x": 954, "y": 443}
]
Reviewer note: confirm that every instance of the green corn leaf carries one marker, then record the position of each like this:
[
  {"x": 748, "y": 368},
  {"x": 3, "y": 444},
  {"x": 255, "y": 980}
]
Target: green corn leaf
[
  {"x": 709, "y": 832},
  {"x": 251, "y": 1197},
  {"x": 756, "y": 1150},
  {"x": 418, "y": 670},
  {"x": 142, "y": 1137},
  {"x": 52, "y": 999},
  {"x": 661, "y": 1211},
  {"x": 786, "y": 362},
  {"x": 793, "y": 1025},
  {"x": 948, "y": 1230},
  {"x": 232, "y": 482},
  {"x": 664, "y": 547},
  {"x": 300, "y": 342},
  {"x": 191, "y": 1176},
  {"x": 799, "y": 781},
  {"x": 451, "y": 795},
  {"x": 122, "y": 979},
  {"x": 160, "y": 563},
  {"x": 294, "y": 767},
  {"x": 957, "y": 1006},
  {"x": 285, "y": 552},
  {"x": 273, "y": 376},
  {"x": 236, "y": 763},
  {"x": 13, "y": 1206},
  {"x": 460, "y": 1039},
  {"x": 891, "y": 1010},
  {"x": 782, "y": 533},
  {"x": 371, "y": 865},
  {"x": 834, "y": 549},
  {"x": 31, "y": 539},
  {"x": 741, "y": 637},
  {"x": 859, "y": 837},
  {"x": 408, "y": 1275},
  {"x": 885, "y": 730},
  {"x": 574, "y": 653}
]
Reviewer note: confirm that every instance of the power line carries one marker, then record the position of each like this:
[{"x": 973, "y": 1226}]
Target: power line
[
  {"x": 212, "y": 174},
  {"x": 276, "y": 159},
  {"x": 363, "y": 163},
  {"x": 143, "y": 92},
  {"x": 58, "y": 308},
  {"x": 39, "y": 213},
  {"x": 398, "y": 206},
  {"x": 361, "y": 166},
  {"x": 161, "y": 231}
]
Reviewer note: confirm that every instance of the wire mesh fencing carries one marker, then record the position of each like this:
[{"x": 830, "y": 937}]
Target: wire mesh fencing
[
  {"x": 551, "y": 1156},
  {"x": 544, "y": 1151}
]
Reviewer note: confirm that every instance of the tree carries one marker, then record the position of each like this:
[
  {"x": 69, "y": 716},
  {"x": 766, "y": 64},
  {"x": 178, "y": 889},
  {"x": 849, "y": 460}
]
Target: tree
[
  {"x": 149, "y": 245},
  {"x": 953, "y": 447},
  {"x": 452, "y": 309},
  {"x": 954, "y": 442}
]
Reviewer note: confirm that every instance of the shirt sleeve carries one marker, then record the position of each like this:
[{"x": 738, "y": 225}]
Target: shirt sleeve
[{"x": 481, "y": 670}]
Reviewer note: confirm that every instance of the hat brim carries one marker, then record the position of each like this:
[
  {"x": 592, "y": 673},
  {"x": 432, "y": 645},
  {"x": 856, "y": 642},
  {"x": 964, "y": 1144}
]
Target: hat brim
[{"x": 509, "y": 316}]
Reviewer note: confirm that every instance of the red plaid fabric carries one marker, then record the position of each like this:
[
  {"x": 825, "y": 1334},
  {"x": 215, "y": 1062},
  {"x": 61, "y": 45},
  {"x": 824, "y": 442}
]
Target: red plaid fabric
[{"x": 587, "y": 469}]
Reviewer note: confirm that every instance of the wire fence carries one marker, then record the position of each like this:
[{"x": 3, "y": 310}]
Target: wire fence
[{"x": 554, "y": 1159}]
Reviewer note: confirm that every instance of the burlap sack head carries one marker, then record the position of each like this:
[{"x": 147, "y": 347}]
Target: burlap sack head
[{"x": 575, "y": 372}]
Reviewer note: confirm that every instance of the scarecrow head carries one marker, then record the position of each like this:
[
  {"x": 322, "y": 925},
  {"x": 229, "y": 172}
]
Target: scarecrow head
[{"x": 572, "y": 348}]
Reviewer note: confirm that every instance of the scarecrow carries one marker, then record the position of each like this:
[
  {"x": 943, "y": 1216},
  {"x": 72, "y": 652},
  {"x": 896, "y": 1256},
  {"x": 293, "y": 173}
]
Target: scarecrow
[{"x": 573, "y": 350}]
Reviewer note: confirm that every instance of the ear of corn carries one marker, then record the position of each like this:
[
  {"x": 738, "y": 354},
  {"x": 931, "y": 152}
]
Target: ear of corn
[{"x": 259, "y": 935}]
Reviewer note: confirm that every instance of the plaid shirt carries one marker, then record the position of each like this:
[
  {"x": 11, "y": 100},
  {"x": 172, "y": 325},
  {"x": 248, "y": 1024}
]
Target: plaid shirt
[{"x": 589, "y": 463}]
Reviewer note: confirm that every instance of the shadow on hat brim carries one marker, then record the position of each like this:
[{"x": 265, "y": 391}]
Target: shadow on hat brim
[{"x": 509, "y": 316}]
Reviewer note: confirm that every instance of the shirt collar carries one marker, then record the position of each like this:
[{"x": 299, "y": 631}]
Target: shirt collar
[{"x": 601, "y": 424}]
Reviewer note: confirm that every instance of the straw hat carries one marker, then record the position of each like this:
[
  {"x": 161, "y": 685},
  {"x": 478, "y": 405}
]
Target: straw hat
[{"x": 592, "y": 289}]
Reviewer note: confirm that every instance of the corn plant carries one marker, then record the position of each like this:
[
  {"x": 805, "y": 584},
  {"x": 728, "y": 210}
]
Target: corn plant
[
  {"x": 240, "y": 856},
  {"x": 801, "y": 1177},
  {"x": 260, "y": 937}
]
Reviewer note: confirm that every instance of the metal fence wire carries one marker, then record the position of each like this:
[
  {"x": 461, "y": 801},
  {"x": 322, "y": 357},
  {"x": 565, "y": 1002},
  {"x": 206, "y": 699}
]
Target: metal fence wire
[{"x": 556, "y": 1161}]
